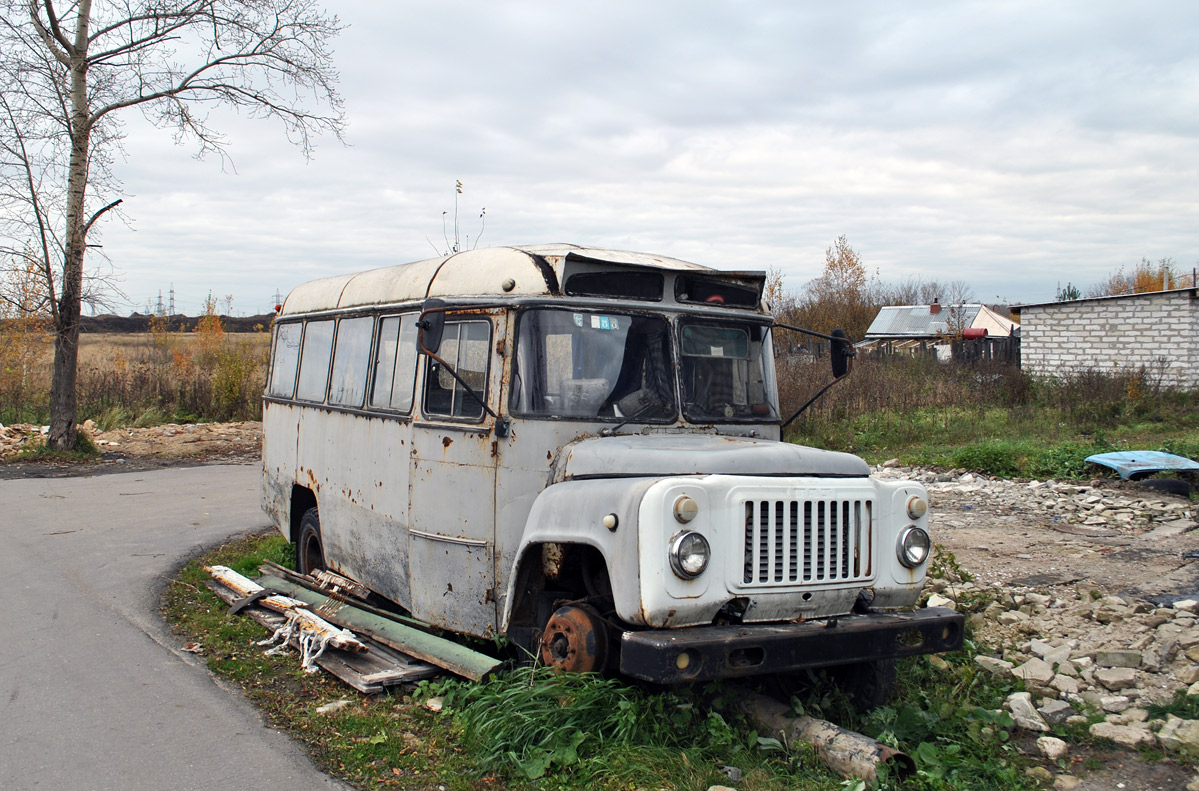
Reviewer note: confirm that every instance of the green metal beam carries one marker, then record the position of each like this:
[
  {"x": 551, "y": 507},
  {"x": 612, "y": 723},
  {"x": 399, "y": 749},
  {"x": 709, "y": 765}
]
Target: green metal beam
[{"x": 439, "y": 651}]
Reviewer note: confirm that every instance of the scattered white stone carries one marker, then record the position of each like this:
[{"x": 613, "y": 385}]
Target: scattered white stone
[
  {"x": 1116, "y": 678},
  {"x": 1187, "y": 605},
  {"x": 435, "y": 705},
  {"x": 1037, "y": 671},
  {"x": 1118, "y": 658},
  {"x": 1000, "y": 667},
  {"x": 1114, "y": 704},
  {"x": 937, "y": 600},
  {"x": 1024, "y": 714},
  {"x": 1122, "y": 734},
  {"x": 1052, "y": 748},
  {"x": 1065, "y": 684},
  {"x": 1180, "y": 736}
]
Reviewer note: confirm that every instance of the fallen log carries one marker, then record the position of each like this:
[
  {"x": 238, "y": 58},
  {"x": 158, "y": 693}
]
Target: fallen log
[{"x": 846, "y": 752}]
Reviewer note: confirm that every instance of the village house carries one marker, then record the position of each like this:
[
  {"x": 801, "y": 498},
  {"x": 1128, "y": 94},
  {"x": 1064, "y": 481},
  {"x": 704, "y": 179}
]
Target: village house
[{"x": 914, "y": 329}]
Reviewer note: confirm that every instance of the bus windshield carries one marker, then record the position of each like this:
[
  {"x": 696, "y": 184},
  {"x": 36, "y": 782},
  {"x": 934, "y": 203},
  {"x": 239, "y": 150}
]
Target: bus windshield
[
  {"x": 726, "y": 372},
  {"x": 587, "y": 364}
]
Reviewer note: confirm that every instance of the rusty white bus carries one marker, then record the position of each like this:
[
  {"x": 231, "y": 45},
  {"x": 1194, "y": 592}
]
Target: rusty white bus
[{"x": 580, "y": 450}]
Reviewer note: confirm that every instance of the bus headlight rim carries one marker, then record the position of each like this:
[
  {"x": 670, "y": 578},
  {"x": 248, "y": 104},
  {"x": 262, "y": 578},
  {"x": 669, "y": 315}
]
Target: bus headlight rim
[
  {"x": 689, "y": 554},
  {"x": 913, "y": 547}
]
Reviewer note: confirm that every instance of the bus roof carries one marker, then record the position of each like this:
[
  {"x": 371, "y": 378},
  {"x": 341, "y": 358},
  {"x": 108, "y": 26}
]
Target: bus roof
[{"x": 505, "y": 272}]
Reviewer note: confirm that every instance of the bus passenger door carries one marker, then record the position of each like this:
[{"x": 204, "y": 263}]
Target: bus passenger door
[{"x": 451, "y": 538}]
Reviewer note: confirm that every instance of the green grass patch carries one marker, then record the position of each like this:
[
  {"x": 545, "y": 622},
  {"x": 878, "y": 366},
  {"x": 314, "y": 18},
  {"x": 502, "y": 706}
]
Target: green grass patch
[
  {"x": 533, "y": 729},
  {"x": 1182, "y": 705}
]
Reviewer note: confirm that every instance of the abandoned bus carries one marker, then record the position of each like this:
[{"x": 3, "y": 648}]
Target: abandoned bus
[{"x": 580, "y": 450}]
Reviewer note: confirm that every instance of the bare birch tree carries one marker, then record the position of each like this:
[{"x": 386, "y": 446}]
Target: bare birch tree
[{"x": 69, "y": 70}]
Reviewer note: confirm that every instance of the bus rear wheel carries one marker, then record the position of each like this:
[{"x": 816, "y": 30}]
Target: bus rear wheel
[{"x": 310, "y": 553}]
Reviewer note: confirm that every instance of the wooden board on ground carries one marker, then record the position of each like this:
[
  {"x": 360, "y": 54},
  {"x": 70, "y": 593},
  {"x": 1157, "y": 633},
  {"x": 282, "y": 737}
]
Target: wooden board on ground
[{"x": 369, "y": 672}]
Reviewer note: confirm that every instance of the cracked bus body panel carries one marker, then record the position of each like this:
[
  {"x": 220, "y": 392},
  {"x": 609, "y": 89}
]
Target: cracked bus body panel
[{"x": 591, "y": 452}]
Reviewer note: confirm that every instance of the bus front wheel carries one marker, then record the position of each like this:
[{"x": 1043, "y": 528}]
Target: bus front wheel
[
  {"x": 310, "y": 554},
  {"x": 575, "y": 640}
]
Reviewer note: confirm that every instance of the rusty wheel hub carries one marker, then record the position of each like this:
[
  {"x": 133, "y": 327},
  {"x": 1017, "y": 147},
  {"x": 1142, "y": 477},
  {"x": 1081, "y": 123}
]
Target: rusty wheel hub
[{"x": 575, "y": 640}]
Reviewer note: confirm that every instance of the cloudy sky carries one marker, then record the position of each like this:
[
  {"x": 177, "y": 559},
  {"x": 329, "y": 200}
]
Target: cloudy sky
[{"x": 1013, "y": 145}]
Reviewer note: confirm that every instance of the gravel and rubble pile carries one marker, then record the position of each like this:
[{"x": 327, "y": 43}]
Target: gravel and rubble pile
[
  {"x": 1103, "y": 503},
  {"x": 1088, "y": 655},
  {"x": 170, "y": 441}
]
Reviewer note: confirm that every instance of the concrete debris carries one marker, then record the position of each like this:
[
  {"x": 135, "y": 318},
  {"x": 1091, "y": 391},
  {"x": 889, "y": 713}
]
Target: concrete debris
[
  {"x": 1024, "y": 713},
  {"x": 1123, "y": 735},
  {"x": 171, "y": 441},
  {"x": 1079, "y": 650},
  {"x": 1180, "y": 736},
  {"x": 1052, "y": 748}
]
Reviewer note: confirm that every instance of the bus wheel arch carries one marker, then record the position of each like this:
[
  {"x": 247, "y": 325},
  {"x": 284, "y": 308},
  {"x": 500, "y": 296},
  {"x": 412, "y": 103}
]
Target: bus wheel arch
[
  {"x": 562, "y": 600},
  {"x": 302, "y": 499}
]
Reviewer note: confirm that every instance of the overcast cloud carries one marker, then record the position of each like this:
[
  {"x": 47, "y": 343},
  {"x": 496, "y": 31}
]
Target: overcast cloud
[{"x": 1010, "y": 145}]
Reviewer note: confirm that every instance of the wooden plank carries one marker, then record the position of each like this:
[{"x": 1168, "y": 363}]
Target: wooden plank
[
  {"x": 436, "y": 650},
  {"x": 368, "y": 672}
]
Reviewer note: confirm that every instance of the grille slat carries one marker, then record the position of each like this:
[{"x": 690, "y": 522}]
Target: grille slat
[{"x": 804, "y": 542}]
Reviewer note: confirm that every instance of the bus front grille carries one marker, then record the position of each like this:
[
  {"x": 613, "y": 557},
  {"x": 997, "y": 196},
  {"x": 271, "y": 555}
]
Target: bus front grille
[{"x": 806, "y": 542}]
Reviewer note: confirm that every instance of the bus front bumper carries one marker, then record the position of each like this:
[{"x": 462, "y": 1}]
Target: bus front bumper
[{"x": 701, "y": 653}]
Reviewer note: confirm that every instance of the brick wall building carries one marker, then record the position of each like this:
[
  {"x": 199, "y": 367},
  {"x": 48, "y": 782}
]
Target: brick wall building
[{"x": 1158, "y": 331}]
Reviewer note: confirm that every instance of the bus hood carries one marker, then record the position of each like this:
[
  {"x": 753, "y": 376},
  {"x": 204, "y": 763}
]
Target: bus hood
[{"x": 660, "y": 455}]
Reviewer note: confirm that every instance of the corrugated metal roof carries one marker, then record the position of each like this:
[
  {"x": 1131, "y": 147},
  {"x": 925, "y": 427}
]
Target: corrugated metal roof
[
  {"x": 472, "y": 273},
  {"x": 899, "y": 321}
]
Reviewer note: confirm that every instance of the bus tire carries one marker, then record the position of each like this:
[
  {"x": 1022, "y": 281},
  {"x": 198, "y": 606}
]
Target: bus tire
[
  {"x": 868, "y": 685},
  {"x": 310, "y": 552}
]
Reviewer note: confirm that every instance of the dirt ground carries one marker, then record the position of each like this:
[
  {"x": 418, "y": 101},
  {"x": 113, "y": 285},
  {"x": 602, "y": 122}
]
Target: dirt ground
[
  {"x": 132, "y": 449},
  {"x": 1034, "y": 549}
]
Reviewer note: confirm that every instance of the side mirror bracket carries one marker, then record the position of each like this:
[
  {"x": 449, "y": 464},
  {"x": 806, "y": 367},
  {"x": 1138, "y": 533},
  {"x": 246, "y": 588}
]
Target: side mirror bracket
[{"x": 841, "y": 356}]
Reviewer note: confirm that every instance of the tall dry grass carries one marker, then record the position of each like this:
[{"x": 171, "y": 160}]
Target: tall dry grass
[
  {"x": 896, "y": 404},
  {"x": 147, "y": 378}
]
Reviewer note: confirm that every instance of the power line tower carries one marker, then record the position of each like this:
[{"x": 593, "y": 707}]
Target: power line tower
[
  {"x": 278, "y": 300},
  {"x": 158, "y": 307},
  {"x": 171, "y": 309}
]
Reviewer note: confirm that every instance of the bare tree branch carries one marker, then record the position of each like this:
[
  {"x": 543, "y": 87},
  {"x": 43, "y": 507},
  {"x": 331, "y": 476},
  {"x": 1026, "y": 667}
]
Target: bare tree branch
[{"x": 68, "y": 70}]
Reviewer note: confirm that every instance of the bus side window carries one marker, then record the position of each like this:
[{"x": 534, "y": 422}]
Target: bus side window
[
  {"x": 314, "y": 360},
  {"x": 351, "y": 357},
  {"x": 465, "y": 346},
  {"x": 395, "y": 363},
  {"x": 287, "y": 360}
]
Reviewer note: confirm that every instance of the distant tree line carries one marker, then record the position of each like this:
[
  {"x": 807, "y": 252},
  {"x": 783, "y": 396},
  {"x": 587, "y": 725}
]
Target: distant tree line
[{"x": 1143, "y": 277}]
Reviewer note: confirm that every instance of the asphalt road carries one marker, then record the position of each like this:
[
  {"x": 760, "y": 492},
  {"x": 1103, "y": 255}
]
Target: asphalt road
[{"x": 94, "y": 692}]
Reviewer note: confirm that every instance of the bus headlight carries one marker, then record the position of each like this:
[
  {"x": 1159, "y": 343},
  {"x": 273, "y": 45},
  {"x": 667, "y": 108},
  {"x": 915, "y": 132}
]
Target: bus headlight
[
  {"x": 689, "y": 554},
  {"x": 913, "y": 546}
]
